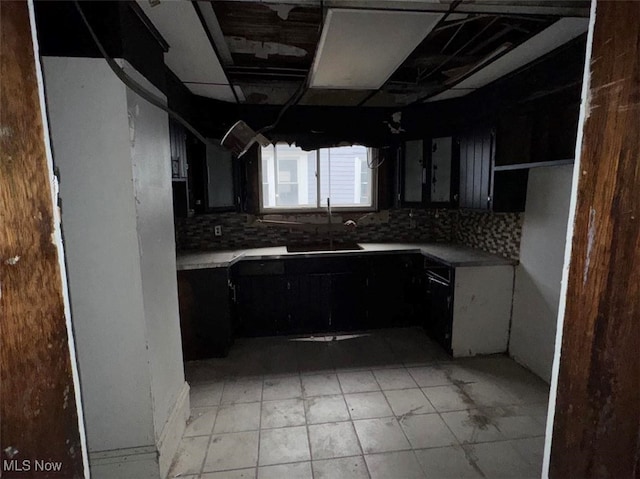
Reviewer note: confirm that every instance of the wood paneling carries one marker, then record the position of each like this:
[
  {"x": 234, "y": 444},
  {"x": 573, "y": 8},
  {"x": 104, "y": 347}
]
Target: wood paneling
[
  {"x": 38, "y": 408},
  {"x": 597, "y": 421},
  {"x": 475, "y": 168}
]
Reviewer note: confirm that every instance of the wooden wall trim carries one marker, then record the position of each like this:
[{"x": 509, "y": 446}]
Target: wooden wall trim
[
  {"x": 38, "y": 411},
  {"x": 596, "y": 431}
]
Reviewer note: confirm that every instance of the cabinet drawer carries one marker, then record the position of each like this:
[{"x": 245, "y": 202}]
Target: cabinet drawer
[{"x": 260, "y": 268}]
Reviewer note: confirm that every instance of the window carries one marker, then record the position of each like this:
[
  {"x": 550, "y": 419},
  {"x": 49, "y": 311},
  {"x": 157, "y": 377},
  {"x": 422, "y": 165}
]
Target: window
[{"x": 294, "y": 179}]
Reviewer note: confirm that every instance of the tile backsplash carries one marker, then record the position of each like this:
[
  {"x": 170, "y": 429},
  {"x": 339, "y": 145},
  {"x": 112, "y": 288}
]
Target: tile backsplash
[
  {"x": 403, "y": 225},
  {"x": 496, "y": 233}
]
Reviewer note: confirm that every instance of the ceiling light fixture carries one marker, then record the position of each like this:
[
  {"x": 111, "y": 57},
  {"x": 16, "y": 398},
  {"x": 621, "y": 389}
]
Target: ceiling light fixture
[{"x": 241, "y": 137}]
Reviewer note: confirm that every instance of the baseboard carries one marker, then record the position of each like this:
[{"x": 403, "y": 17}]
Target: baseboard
[
  {"x": 145, "y": 462},
  {"x": 173, "y": 430},
  {"x": 127, "y": 463}
]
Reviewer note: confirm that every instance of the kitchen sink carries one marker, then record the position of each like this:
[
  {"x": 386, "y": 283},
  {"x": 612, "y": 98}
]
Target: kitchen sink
[{"x": 325, "y": 246}]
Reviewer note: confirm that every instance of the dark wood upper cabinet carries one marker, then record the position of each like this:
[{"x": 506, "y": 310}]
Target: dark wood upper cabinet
[
  {"x": 476, "y": 157},
  {"x": 429, "y": 172},
  {"x": 514, "y": 139},
  {"x": 545, "y": 134},
  {"x": 413, "y": 172},
  {"x": 179, "y": 168},
  {"x": 220, "y": 177},
  {"x": 178, "y": 146},
  {"x": 554, "y": 133},
  {"x": 482, "y": 185}
]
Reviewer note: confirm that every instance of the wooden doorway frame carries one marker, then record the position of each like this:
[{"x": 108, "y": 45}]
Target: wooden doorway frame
[
  {"x": 593, "y": 427},
  {"x": 41, "y": 422}
]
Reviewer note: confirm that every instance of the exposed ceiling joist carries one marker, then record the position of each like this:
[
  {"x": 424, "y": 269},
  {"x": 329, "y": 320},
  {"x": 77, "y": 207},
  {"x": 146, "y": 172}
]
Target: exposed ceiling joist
[
  {"x": 558, "y": 34},
  {"x": 566, "y": 8},
  {"x": 211, "y": 21},
  {"x": 191, "y": 55}
]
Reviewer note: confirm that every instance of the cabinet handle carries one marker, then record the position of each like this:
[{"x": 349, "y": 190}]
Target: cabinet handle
[
  {"x": 424, "y": 176},
  {"x": 233, "y": 288},
  {"x": 434, "y": 280}
]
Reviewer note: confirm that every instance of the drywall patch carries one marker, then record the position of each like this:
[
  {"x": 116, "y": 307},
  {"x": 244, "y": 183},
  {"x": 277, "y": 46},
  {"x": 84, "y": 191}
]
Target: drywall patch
[{"x": 263, "y": 50}]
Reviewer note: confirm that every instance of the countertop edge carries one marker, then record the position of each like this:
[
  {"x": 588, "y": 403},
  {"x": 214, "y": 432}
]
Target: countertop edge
[{"x": 422, "y": 249}]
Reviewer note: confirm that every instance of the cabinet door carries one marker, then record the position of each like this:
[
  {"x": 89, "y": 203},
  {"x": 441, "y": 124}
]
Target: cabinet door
[
  {"x": 514, "y": 139},
  {"x": 441, "y": 171},
  {"x": 439, "y": 315},
  {"x": 476, "y": 155},
  {"x": 178, "y": 149},
  {"x": 219, "y": 162},
  {"x": 261, "y": 304},
  {"x": 414, "y": 174},
  {"x": 393, "y": 291},
  {"x": 205, "y": 313},
  {"x": 309, "y": 303},
  {"x": 348, "y": 302}
]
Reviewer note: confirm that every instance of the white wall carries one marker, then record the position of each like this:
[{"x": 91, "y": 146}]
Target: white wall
[
  {"x": 91, "y": 151},
  {"x": 481, "y": 310},
  {"x": 149, "y": 128},
  {"x": 112, "y": 151},
  {"x": 538, "y": 277}
]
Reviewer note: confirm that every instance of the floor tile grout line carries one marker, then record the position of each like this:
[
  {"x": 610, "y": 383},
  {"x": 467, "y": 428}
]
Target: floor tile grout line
[
  {"x": 397, "y": 420},
  {"x": 391, "y": 409},
  {"x": 469, "y": 459},
  {"x": 209, "y": 442},
  {"x": 260, "y": 427},
  {"x": 407, "y": 365},
  {"x": 353, "y": 426},
  {"x": 306, "y": 425},
  {"x": 407, "y": 414}
]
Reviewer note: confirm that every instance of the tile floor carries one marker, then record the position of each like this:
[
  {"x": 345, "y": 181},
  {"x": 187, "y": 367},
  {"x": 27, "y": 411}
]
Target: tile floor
[{"x": 382, "y": 404}]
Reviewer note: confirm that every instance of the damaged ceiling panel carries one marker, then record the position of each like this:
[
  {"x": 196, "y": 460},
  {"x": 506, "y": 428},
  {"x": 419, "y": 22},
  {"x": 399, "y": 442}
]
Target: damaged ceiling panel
[
  {"x": 191, "y": 56},
  {"x": 333, "y": 97},
  {"x": 269, "y": 35},
  {"x": 267, "y": 93},
  {"x": 274, "y": 50},
  {"x": 559, "y": 33},
  {"x": 455, "y": 49}
]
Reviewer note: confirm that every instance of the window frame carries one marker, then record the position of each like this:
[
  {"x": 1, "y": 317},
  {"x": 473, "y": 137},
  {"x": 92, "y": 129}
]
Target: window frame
[{"x": 320, "y": 208}]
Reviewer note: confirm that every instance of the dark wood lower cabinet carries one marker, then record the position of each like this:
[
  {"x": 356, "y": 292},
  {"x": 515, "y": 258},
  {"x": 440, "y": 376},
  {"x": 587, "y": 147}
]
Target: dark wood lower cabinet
[
  {"x": 394, "y": 290},
  {"x": 308, "y": 302},
  {"x": 349, "y": 302},
  {"x": 261, "y": 305},
  {"x": 330, "y": 294},
  {"x": 326, "y": 294},
  {"x": 205, "y": 313},
  {"x": 439, "y": 310},
  {"x": 311, "y": 296}
]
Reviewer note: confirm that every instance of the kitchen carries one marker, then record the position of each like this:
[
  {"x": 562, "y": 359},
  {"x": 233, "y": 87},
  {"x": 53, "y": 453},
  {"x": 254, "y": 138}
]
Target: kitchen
[
  {"x": 367, "y": 285},
  {"x": 437, "y": 252}
]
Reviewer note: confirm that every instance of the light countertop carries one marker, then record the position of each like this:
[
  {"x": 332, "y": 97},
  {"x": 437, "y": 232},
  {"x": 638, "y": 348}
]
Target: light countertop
[{"x": 451, "y": 254}]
